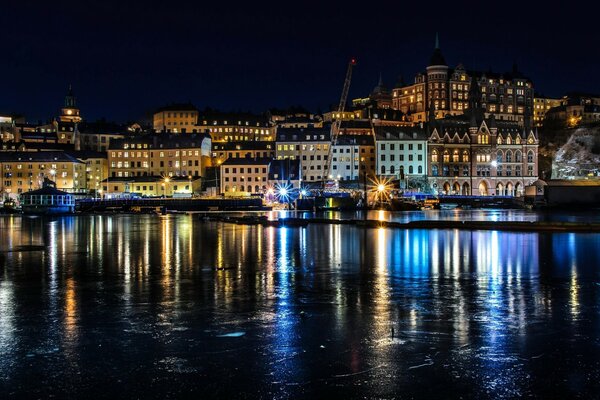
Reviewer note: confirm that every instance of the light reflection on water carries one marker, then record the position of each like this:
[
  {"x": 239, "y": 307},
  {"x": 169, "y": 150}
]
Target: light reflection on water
[{"x": 328, "y": 309}]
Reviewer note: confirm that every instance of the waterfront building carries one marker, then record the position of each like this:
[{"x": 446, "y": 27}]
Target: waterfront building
[
  {"x": 353, "y": 156},
  {"x": 221, "y": 151},
  {"x": 401, "y": 152},
  {"x": 96, "y": 136},
  {"x": 151, "y": 186},
  {"x": 244, "y": 176},
  {"x": 310, "y": 146},
  {"x": 472, "y": 154},
  {"x": 26, "y": 171},
  {"x": 160, "y": 154},
  {"x": 284, "y": 174},
  {"x": 96, "y": 168},
  {"x": 176, "y": 118},
  {"x": 47, "y": 200},
  {"x": 444, "y": 90}
]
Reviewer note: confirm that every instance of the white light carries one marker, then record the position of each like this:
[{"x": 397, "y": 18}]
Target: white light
[
  {"x": 303, "y": 192},
  {"x": 380, "y": 187},
  {"x": 283, "y": 191},
  {"x": 494, "y": 163}
]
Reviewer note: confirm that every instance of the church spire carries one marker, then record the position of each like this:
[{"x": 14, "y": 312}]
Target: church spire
[
  {"x": 70, "y": 98},
  {"x": 437, "y": 41}
]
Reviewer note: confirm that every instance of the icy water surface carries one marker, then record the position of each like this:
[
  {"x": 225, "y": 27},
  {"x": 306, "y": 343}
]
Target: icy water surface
[{"x": 168, "y": 307}]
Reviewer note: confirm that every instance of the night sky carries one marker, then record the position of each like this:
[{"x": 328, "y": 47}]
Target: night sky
[{"x": 124, "y": 60}]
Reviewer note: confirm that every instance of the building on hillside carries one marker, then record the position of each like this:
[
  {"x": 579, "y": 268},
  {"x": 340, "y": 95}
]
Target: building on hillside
[
  {"x": 221, "y": 151},
  {"x": 244, "y": 176},
  {"x": 160, "y": 154},
  {"x": 474, "y": 155},
  {"x": 96, "y": 136},
  {"x": 381, "y": 96},
  {"x": 353, "y": 157},
  {"x": 70, "y": 112},
  {"x": 401, "y": 152},
  {"x": 508, "y": 96},
  {"x": 235, "y": 127},
  {"x": 176, "y": 118},
  {"x": 310, "y": 146},
  {"x": 26, "y": 171},
  {"x": 541, "y": 105},
  {"x": 576, "y": 109}
]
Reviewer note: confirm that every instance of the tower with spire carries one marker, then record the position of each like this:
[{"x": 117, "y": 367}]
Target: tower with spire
[
  {"x": 70, "y": 112},
  {"x": 380, "y": 95},
  {"x": 438, "y": 93}
]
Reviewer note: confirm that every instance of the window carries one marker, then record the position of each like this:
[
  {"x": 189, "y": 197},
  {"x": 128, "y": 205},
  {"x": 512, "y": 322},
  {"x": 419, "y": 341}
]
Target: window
[
  {"x": 434, "y": 156},
  {"x": 434, "y": 170},
  {"x": 530, "y": 156},
  {"x": 508, "y": 157},
  {"x": 383, "y": 169}
]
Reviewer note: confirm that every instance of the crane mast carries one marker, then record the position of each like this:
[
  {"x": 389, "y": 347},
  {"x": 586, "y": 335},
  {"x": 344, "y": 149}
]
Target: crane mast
[{"x": 336, "y": 122}]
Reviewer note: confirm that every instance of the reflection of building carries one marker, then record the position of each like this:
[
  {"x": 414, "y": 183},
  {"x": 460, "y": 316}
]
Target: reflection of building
[
  {"x": 310, "y": 146},
  {"x": 400, "y": 151},
  {"x": 473, "y": 155},
  {"x": 25, "y": 171},
  {"x": 176, "y": 118},
  {"x": 160, "y": 154},
  {"x": 244, "y": 176},
  {"x": 445, "y": 90},
  {"x": 352, "y": 157}
]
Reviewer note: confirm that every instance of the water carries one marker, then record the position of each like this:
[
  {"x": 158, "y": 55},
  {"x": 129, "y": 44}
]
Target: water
[{"x": 168, "y": 306}]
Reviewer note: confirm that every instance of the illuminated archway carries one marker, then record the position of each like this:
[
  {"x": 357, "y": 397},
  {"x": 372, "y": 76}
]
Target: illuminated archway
[{"x": 483, "y": 188}]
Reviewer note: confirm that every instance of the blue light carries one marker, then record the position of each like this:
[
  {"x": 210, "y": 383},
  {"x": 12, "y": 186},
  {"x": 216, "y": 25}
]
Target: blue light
[
  {"x": 283, "y": 191},
  {"x": 303, "y": 192}
]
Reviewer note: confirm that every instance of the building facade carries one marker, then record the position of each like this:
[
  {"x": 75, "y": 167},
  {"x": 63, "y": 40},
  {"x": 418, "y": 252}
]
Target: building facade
[
  {"x": 401, "y": 152},
  {"x": 310, "y": 146},
  {"x": 176, "y": 118},
  {"x": 26, "y": 171},
  {"x": 244, "y": 176},
  {"x": 474, "y": 155},
  {"x": 507, "y": 96},
  {"x": 160, "y": 154},
  {"x": 353, "y": 157}
]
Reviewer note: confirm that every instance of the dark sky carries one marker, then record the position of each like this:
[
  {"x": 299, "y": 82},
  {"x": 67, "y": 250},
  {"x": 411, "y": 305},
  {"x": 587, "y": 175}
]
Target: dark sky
[{"x": 125, "y": 59}]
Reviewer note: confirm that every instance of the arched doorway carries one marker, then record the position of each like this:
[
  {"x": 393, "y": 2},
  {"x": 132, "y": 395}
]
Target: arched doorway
[
  {"x": 518, "y": 189},
  {"x": 465, "y": 189},
  {"x": 509, "y": 189},
  {"x": 483, "y": 188},
  {"x": 499, "y": 189},
  {"x": 446, "y": 188},
  {"x": 456, "y": 188}
]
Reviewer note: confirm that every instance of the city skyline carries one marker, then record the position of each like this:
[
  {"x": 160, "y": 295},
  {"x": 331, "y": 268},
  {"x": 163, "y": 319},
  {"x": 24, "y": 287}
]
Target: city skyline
[{"x": 125, "y": 63}]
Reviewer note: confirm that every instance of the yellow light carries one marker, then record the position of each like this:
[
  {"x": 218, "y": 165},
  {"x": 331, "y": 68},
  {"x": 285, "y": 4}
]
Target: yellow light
[
  {"x": 167, "y": 180},
  {"x": 380, "y": 187}
]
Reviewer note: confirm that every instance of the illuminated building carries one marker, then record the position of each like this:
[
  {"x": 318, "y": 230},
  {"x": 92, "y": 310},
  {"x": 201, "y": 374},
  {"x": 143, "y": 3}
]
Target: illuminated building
[
  {"x": 541, "y": 105},
  {"x": 444, "y": 90},
  {"x": 150, "y": 186},
  {"x": 381, "y": 97},
  {"x": 353, "y": 156},
  {"x": 70, "y": 111},
  {"x": 176, "y": 118},
  {"x": 96, "y": 168},
  {"x": 236, "y": 127},
  {"x": 400, "y": 151},
  {"x": 25, "y": 171},
  {"x": 160, "y": 154},
  {"x": 310, "y": 146},
  {"x": 244, "y": 176},
  {"x": 470, "y": 154},
  {"x": 294, "y": 117},
  {"x": 576, "y": 109},
  {"x": 221, "y": 151},
  {"x": 284, "y": 173}
]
